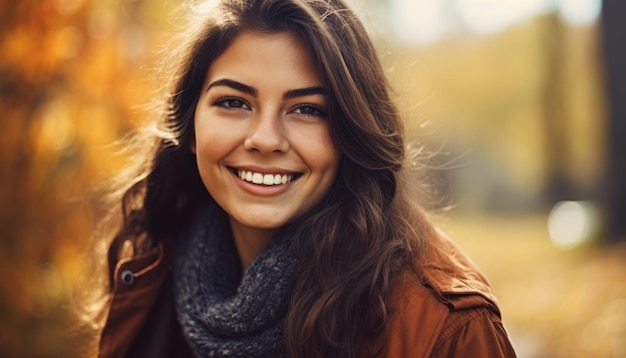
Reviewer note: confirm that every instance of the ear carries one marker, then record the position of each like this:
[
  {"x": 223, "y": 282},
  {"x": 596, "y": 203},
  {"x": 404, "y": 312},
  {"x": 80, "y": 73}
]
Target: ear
[{"x": 192, "y": 145}]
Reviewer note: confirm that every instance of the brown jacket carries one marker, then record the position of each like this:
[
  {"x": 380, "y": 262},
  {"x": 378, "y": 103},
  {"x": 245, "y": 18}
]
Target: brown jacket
[{"x": 448, "y": 312}]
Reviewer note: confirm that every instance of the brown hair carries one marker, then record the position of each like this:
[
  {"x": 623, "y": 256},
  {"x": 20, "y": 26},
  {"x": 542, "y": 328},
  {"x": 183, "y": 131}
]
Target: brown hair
[{"x": 364, "y": 230}]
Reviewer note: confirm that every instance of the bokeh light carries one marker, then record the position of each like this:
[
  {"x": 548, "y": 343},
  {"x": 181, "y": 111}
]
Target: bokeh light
[{"x": 572, "y": 223}]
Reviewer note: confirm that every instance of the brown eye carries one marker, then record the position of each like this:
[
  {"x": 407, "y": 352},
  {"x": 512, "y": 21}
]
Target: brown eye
[
  {"x": 309, "y": 110},
  {"x": 232, "y": 102}
]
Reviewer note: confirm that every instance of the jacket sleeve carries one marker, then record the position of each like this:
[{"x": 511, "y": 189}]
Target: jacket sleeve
[{"x": 474, "y": 333}]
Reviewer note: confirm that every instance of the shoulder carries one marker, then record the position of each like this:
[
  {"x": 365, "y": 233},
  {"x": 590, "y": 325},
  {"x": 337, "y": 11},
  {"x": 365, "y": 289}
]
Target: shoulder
[
  {"x": 137, "y": 282},
  {"x": 446, "y": 309}
]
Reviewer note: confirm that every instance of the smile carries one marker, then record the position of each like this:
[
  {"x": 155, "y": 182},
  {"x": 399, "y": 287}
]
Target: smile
[{"x": 264, "y": 179}]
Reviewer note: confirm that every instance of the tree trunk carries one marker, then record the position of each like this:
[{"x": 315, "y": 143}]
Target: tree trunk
[
  {"x": 558, "y": 186},
  {"x": 614, "y": 42}
]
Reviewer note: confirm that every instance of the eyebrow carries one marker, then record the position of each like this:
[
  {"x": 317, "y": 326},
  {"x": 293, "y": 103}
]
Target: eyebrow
[
  {"x": 302, "y": 92},
  {"x": 234, "y": 85},
  {"x": 292, "y": 93}
]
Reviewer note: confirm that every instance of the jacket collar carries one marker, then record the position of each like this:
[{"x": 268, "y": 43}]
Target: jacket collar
[{"x": 454, "y": 277}]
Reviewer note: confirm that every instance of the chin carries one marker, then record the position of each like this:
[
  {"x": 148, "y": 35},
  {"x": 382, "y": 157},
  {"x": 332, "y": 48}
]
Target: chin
[{"x": 263, "y": 223}]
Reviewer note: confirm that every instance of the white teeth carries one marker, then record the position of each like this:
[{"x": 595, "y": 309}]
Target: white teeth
[
  {"x": 268, "y": 179},
  {"x": 265, "y": 179}
]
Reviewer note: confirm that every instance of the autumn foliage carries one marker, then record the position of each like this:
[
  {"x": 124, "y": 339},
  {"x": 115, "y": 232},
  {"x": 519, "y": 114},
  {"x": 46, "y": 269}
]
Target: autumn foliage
[{"x": 74, "y": 75}]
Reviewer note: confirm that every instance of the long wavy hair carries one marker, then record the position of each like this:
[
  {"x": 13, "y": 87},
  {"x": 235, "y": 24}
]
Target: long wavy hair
[{"x": 366, "y": 228}]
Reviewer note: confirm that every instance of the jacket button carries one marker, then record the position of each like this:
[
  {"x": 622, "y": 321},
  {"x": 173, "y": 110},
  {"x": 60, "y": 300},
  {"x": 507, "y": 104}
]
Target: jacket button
[{"x": 127, "y": 277}]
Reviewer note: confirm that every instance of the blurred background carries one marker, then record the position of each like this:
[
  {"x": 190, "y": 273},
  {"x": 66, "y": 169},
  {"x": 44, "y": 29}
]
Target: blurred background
[{"x": 522, "y": 102}]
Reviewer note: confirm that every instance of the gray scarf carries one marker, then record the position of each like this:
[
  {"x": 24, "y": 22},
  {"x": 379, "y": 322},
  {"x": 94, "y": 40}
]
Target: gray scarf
[{"x": 224, "y": 313}]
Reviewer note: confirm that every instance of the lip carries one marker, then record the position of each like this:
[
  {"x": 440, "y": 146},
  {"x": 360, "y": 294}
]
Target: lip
[
  {"x": 259, "y": 189},
  {"x": 269, "y": 170}
]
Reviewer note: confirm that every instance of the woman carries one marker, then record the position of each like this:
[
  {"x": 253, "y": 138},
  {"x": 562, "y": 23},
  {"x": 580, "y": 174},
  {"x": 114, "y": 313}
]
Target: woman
[{"x": 271, "y": 216}]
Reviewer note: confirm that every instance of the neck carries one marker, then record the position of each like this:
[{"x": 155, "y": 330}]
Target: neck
[{"x": 250, "y": 241}]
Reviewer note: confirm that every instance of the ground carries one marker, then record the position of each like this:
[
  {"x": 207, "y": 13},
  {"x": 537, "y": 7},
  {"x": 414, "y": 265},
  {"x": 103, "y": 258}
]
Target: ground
[{"x": 555, "y": 302}]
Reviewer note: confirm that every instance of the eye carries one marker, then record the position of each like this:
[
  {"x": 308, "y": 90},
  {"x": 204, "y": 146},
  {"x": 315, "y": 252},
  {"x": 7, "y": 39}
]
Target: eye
[
  {"x": 231, "y": 103},
  {"x": 309, "y": 110}
]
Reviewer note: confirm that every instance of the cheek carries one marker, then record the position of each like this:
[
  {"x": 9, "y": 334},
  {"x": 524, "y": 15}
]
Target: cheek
[
  {"x": 327, "y": 152},
  {"x": 327, "y": 160},
  {"x": 208, "y": 146},
  {"x": 210, "y": 136},
  {"x": 322, "y": 155}
]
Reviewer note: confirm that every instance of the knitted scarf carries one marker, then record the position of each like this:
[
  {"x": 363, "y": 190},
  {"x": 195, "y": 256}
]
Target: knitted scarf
[{"x": 224, "y": 312}]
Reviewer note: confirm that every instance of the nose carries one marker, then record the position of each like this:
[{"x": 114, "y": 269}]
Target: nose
[{"x": 267, "y": 134}]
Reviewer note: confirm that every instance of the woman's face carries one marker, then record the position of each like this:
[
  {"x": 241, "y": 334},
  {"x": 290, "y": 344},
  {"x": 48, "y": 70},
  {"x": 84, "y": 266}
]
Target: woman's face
[{"x": 262, "y": 138}]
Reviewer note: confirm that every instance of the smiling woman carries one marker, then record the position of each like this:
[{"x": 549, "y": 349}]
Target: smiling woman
[
  {"x": 269, "y": 214},
  {"x": 260, "y": 122}
]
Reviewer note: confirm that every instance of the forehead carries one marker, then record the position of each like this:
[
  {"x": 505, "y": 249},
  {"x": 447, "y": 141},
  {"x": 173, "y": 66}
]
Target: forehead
[{"x": 267, "y": 57}]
